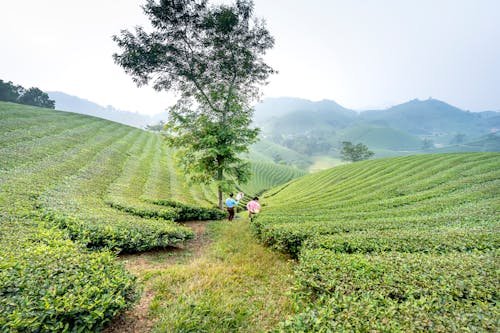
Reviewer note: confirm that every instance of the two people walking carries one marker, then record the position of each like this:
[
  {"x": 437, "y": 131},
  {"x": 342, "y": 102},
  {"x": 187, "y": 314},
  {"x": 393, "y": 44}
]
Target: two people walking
[{"x": 253, "y": 206}]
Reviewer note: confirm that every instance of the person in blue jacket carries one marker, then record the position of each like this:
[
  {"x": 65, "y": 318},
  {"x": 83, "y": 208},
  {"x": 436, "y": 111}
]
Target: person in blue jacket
[{"x": 230, "y": 205}]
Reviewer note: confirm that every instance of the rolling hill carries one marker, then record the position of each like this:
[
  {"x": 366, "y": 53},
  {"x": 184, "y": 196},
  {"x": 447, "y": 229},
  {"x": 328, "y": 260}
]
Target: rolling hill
[
  {"x": 70, "y": 103},
  {"x": 394, "y": 131},
  {"x": 397, "y": 244},
  {"x": 75, "y": 191}
]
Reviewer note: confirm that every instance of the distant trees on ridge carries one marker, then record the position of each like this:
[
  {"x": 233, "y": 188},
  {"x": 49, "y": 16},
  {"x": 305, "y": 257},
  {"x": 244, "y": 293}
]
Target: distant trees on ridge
[{"x": 18, "y": 94}]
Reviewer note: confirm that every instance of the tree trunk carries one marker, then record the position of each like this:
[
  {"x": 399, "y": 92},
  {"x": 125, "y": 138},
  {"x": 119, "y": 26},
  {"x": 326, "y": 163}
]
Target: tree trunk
[
  {"x": 219, "y": 188},
  {"x": 220, "y": 197}
]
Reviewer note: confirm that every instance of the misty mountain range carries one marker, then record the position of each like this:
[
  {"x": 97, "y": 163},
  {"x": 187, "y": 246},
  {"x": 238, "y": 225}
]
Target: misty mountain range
[
  {"x": 402, "y": 127},
  {"x": 65, "y": 102},
  {"x": 310, "y": 128}
]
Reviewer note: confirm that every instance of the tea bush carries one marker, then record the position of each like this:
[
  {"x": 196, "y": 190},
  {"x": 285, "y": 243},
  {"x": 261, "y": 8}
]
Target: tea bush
[
  {"x": 404, "y": 244},
  {"x": 49, "y": 284},
  {"x": 55, "y": 171},
  {"x": 398, "y": 292}
]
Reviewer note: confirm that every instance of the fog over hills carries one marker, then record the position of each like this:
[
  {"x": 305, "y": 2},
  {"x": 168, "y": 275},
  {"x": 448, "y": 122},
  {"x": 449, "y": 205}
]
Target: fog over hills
[
  {"x": 417, "y": 117},
  {"x": 66, "y": 102},
  {"x": 311, "y": 128}
]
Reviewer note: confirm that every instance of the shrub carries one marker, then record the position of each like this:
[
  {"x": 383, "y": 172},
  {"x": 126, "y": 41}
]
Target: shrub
[{"x": 49, "y": 284}]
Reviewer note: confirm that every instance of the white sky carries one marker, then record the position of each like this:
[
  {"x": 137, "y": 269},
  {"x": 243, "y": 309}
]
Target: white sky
[{"x": 361, "y": 53}]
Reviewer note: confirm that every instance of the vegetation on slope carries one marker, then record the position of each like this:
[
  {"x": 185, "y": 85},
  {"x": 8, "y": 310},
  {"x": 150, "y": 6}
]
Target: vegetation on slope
[
  {"x": 266, "y": 175},
  {"x": 75, "y": 191},
  {"x": 408, "y": 243},
  {"x": 59, "y": 169}
]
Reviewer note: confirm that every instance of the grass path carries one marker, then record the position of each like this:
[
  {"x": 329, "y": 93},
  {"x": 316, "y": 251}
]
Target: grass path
[{"x": 221, "y": 281}]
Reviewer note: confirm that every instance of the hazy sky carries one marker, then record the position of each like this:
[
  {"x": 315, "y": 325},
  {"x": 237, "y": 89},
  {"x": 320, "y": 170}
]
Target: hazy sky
[{"x": 360, "y": 53}]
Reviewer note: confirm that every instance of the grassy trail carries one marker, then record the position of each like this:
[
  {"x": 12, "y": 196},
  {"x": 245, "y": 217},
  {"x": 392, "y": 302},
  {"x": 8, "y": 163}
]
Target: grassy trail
[{"x": 222, "y": 281}]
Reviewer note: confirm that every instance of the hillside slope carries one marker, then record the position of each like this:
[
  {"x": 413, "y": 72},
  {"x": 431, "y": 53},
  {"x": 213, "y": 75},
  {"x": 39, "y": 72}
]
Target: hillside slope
[
  {"x": 384, "y": 244},
  {"x": 75, "y": 191},
  {"x": 62, "y": 176},
  {"x": 414, "y": 127}
]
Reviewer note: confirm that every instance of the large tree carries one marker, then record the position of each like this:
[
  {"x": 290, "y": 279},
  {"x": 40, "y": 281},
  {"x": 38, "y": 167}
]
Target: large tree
[{"x": 211, "y": 55}]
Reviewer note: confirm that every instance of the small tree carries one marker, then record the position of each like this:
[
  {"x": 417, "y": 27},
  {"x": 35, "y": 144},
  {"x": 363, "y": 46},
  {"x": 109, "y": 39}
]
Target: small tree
[
  {"x": 354, "y": 153},
  {"x": 36, "y": 97},
  {"x": 212, "y": 56}
]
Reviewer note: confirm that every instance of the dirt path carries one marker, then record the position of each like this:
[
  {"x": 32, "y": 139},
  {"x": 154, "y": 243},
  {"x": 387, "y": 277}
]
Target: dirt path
[{"x": 137, "y": 319}]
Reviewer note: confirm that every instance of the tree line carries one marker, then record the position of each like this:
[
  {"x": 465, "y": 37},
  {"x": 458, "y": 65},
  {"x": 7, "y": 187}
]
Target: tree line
[{"x": 9, "y": 92}]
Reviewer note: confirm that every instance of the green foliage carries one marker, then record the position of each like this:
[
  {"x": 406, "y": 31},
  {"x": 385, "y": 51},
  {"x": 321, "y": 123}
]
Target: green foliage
[
  {"x": 395, "y": 292},
  {"x": 9, "y": 92},
  {"x": 398, "y": 244},
  {"x": 65, "y": 170},
  {"x": 189, "y": 213},
  {"x": 156, "y": 128},
  {"x": 355, "y": 153},
  {"x": 266, "y": 175},
  {"x": 36, "y": 97},
  {"x": 50, "y": 285},
  {"x": 17, "y": 94},
  {"x": 432, "y": 240},
  {"x": 76, "y": 205},
  {"x": 212, "y": 56}
]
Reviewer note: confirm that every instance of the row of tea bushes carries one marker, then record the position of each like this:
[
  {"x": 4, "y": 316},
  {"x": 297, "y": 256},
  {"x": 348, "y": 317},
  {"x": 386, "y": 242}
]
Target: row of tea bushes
[
  {"x": 56, "y": 169},
  {"x": 266, "y": 175},
  {"x": 188, "y": 212},
  {"x": 49, "y": 283},
  {"x": 132, "y": 191},
  {"x": 398, "y": 292},
  {"x": 466, "y": 199},
  {"x": 436, "y": 240},
  {"x": 77, "y": 205},
  {"x": 404, "y": 244}
]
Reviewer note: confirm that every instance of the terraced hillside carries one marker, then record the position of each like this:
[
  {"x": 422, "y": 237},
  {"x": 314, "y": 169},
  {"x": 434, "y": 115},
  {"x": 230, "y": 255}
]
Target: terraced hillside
[
  {"x": 75, "y": 190},
  {"x": 61, "y": 174},
  {"x": 399, "y": 244},
  {"x": 266, "y": 175}
]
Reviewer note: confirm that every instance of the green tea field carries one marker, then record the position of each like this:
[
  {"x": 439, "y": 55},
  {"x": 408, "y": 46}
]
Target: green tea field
[
  {"x": 406, "y": 244},
  {"x": 75, "y": 191}
]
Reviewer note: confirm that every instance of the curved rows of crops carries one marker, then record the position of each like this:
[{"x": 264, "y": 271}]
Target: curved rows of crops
[
  {"x": 400, "y": 244},
  {"x": 267, "y": 175},
  {"x": 136, "y": 191},
  {"x": 47, "y": 281},
  {"x": 56, "y": 170}
]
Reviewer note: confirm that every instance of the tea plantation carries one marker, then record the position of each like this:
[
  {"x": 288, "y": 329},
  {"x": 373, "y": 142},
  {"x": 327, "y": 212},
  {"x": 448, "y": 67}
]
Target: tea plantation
[
  {"x": 403, "y": 244},
  {"x": 399, "y": 244},
  {"x": 70, "y": 185},
  {"x": 75, "y": 191}
]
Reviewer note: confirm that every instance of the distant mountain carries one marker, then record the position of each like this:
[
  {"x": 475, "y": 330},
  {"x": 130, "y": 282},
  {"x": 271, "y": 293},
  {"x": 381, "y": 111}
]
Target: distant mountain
[
  {"x": 65, "y": 102},
  {"x": 318, "y": 127},
  {"x": 433, "y": 118},
  {"x": 277, "y": 107}
]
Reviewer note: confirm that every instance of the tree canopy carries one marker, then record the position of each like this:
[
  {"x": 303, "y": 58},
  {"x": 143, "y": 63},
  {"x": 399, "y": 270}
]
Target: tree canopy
[
  {"x": 17, "y": 94},
  {"x": 211, "y": 56},
  {"x": 354, "y": 153}
]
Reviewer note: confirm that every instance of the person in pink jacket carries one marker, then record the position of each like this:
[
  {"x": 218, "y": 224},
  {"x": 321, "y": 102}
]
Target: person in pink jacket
[{"x": 253, "y": 207}]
